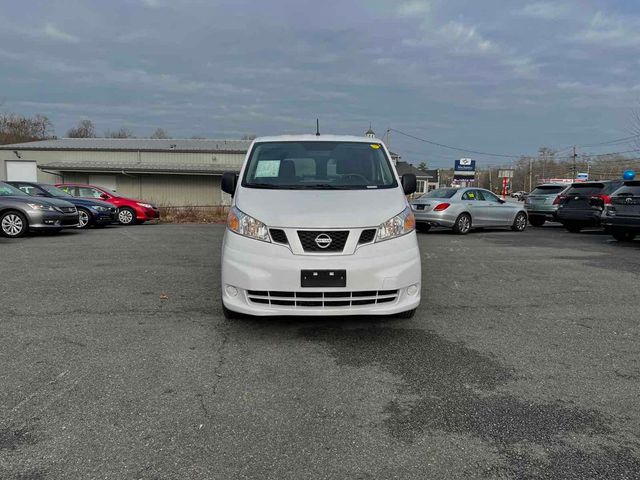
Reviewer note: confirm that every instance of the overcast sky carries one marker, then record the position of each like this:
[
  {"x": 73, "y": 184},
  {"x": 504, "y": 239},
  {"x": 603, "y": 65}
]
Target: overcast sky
[{"x": 495, "y": 75}]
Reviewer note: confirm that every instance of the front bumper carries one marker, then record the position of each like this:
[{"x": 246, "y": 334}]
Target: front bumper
[
  {"x": 105, "y": 218},
  {"x": 252, "y": 265},
  {"x": 47, "y": 220},
  {"x": 145, "y": 214}
]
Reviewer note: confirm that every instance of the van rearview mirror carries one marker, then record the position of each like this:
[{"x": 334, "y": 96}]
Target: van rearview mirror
[
  {"x": 229, "y": 181},
  {"x": 409, "y": 183}
]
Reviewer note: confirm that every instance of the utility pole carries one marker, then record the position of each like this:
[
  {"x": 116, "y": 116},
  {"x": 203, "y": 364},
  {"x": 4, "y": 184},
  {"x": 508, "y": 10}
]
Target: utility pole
[
  {"x": 573, "y": 168},
  {"x": 490, "y": 181},
  {"x": 530, "y": 174}
]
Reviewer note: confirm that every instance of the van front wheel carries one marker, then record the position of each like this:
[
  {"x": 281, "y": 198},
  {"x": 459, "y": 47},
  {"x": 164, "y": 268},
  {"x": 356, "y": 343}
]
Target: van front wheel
[
  {"x": 230, "y": 314},
  {"x": 407, "y": 314}
]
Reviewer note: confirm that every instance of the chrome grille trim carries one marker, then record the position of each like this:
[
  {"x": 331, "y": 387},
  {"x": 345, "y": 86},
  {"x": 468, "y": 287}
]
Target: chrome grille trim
[{"x": 323, "y": 299}]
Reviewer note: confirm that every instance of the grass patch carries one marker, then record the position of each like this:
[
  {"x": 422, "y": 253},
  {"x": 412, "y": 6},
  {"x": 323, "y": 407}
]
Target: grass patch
[{"x": 193, "y": 214}]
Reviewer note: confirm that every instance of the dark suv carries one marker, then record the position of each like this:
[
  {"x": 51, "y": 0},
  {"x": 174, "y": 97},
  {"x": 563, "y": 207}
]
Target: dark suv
[
  {"x": 621, "y": 216},
  {"x": 581, "y": 206}
]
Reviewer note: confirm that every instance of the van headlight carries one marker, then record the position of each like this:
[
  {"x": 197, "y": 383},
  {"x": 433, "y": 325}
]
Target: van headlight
[
  {"x": 397, "y": 226},
  {"x": 247, "y": 226}
]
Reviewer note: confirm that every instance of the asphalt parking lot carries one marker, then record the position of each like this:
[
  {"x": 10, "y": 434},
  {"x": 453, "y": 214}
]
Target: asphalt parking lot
[{"x": 522, "y": 362}]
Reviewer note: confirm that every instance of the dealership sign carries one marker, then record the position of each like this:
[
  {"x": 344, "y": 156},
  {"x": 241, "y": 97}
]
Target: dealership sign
[{"x": 464, "y": 169}]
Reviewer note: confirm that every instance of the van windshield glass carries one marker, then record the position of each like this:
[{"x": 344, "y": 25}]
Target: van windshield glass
[{"x": 318, "y": 166}]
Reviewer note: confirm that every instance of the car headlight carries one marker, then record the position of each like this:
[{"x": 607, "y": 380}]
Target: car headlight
[
  {"x": 99, "y": 208},
  {"x": 245, "y": 225},
  {"x": 397, "y": 226},
  {"x": 39, "y": 206},
  {"x": 145, "y": 205}
]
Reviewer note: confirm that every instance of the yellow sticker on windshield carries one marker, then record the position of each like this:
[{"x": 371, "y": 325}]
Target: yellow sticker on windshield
[{"x": 375, "y": 145}]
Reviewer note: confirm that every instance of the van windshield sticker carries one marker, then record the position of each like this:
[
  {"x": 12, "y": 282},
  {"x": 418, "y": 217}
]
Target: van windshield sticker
[{"x": 267, "y": 168}]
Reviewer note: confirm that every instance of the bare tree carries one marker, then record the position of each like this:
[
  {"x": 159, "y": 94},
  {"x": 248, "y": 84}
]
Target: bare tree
[
  {"x": 248, "y": 137},
  {"x": 17, "y": 128},
  {"x": 160, "y": 133},
  {"x": 123, "y": 132},
  {"x": 84, "y": 129}
]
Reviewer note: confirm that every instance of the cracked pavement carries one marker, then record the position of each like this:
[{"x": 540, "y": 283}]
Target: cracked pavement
[{"x": 522, "y": 362}]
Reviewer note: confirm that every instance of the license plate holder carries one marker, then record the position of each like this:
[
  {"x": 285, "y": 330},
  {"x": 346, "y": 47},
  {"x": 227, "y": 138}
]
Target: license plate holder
[{"x": 323, "y": 278}]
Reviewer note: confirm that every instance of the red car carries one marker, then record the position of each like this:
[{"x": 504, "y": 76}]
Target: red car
[{"x": 129, "y": 211}]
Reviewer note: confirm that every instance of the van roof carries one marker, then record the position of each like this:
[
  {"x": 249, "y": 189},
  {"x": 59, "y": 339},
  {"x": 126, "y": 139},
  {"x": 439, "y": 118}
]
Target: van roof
[{"x": 317, "y": 138}]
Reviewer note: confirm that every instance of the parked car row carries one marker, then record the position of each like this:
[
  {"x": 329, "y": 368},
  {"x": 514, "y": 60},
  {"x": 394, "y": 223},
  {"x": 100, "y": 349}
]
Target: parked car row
[
  {"x": 30, "y": 206},
  {"x": 611, "y": 204}
]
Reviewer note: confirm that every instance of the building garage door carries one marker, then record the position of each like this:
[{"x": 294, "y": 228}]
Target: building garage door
[{"x": 22, "y": 171}]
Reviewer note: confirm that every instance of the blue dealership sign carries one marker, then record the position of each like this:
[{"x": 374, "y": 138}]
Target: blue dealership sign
[{"x": 465, "y": 165}]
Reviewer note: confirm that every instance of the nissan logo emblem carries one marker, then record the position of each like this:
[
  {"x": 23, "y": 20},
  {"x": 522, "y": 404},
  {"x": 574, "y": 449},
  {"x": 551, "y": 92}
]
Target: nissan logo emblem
[
  {"x": 323, "y": 240},
  {"x": 629, "y": 200}
]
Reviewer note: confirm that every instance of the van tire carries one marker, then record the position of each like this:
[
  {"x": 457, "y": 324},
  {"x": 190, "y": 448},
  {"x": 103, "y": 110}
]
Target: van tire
[
  {"x": 230, "y": 314},
  {"x": 423, "y": 227},
  {"x": 407, "y": 314}
]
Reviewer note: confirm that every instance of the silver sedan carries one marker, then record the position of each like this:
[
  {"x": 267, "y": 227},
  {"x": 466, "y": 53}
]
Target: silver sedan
[{"x": 462, "y": 209}]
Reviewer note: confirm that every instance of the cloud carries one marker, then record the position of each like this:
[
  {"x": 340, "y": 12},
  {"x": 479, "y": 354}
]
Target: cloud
[
  {"x": 52, "y": 32},
  {"x": 414, "y": 7},
  {"x": 611, "y": 31},
  {"x": 544, "y": 10}
]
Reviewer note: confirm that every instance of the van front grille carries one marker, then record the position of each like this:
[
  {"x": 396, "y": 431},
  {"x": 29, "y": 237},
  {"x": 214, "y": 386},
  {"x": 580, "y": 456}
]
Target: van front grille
[
  {"x": 367, "y": 236},
  {"x": 323, "y": 241},
  {"x": 278, "y": 236},
  {"x": 322, "y": 299}
]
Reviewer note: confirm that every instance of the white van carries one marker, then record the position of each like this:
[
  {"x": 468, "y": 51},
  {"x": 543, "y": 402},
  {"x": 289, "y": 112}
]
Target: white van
[{"x": 319, "y": 225}]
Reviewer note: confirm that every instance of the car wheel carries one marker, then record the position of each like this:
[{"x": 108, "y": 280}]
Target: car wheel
[
  {"x": 13, "y": 224},
  {"x": 407, "y": 314},
  {"x": 572, "y": 227},
  {"x": 520, "y": 222},
  {"x": 230, "y": 314},
  {"x": 423, "y": 227},
  {"x": 537, "y": 221},
  {"x": 463, "y": 224},
  {"x": 126, "y": 216},
  {"x": 623, "y": 235},
  {"x": 84, "y": 218}
]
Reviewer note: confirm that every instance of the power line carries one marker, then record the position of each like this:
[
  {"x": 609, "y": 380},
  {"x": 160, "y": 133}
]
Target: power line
[
  {"x": 442, "y": 145},
  {"x": 610, "y": 142}
]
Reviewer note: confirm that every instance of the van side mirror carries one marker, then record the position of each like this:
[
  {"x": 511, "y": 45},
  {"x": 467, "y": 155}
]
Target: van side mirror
[
  {"x": 409, "y": 183},
  {"x": 229, "y": 182},
  {"x": 104, "y": 196}
]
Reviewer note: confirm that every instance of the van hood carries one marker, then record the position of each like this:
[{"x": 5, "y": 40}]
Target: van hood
[{"x": 321, "y": 208}]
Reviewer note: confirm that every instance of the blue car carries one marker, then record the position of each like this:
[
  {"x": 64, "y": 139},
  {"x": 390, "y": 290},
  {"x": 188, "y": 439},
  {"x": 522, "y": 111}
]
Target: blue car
[{"x": 90, "y": 212}]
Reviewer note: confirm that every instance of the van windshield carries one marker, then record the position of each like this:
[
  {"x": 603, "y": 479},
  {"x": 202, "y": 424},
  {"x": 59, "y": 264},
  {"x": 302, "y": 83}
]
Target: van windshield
[{"x": 318, "y": 166}]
